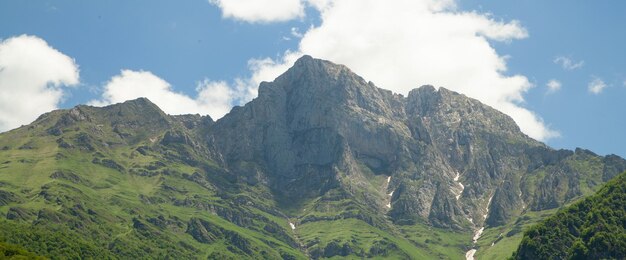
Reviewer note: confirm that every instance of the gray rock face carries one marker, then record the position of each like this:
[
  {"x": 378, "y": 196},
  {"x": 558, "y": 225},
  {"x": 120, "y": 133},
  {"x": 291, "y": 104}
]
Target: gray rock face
[{"x": 320, "y": 127}]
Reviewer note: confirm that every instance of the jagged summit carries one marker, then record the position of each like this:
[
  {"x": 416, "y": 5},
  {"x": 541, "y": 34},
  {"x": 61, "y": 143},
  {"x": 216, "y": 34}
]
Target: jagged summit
[
  {"x": 317, "y": 125},
  {"x": 317, "y": 78}
]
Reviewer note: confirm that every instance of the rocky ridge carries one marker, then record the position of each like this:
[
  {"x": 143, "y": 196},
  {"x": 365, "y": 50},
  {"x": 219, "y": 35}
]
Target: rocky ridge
[{"x": 319, "y": 147}]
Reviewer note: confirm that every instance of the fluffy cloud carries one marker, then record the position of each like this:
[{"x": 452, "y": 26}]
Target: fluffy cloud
[
  {"x": 567, "y": 63},
  {"x": 32, "y": 77},
  {"x": 553, "y": 86},
  {"x": 403, "y": 44},
  {"x": 260, "y": 10},
  {"x": 596, "y": 86},
  {"x": 214, "y": 98}
]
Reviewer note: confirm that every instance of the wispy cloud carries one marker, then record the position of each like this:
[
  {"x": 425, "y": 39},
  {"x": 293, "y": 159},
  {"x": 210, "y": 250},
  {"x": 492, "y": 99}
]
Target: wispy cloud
[
  {"x": 553, "y": 86},
  {"x": 596, "y": 86},
  {"x": 295, "y": 32},
  {"x": 568, "y": 64}
]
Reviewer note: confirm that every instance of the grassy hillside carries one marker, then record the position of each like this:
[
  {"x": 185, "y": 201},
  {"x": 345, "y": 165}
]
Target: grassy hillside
[{"x": 594, "y": 228}]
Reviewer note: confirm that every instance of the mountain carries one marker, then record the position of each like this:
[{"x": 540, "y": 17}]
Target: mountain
[
  {"x": 321, "y": 164},
  {"x": 594, "y": 228}
]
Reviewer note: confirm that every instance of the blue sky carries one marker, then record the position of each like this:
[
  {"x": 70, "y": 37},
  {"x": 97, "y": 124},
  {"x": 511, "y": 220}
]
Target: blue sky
[{"x": 194, "y": 51}]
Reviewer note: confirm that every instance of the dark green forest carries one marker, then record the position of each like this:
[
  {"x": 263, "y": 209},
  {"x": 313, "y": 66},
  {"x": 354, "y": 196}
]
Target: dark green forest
[{"x": 593, "y": 228}]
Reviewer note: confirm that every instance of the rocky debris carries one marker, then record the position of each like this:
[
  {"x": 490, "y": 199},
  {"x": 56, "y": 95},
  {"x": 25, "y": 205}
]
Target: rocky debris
[
  {"x": 64, "y": 144},
  {"x": 144, "y": 229},
  {"x": 445, "y": 209},
  {"x": 613, "y": 165},
  {"x": 66, "y": 175},
  {"x": 84, "y": 142},
  {"x": 207, "y": 232},
  {"x": 50, "y": 216},
  {"x": 18, "y": 213},
  {"x": 194, "y": 121},
  {"x": 381, "y": 248},
  {"x": 172, "y": 223},
  {"x": 178, "y": 137},
  {"x": 28, "y": 146},
  {"x": 109, "y": 163},
  {"x": 7, "y": 197},
  {"x": 504, "y": 205},
  {"x": 197, "y": 229}
]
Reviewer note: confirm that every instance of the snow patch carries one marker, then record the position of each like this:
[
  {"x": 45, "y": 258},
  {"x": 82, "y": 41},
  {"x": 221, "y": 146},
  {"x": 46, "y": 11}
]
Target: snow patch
[
  {"x": 470, "y": 254},
  {"x": 487, "y": 209},
  {"x": 293, "y": 227},
  {"x": 456, "y": 190},
  {"x": 390, "y": 194},
  {"x": 477, "y": 234},
  {"x": 460, "y": 192}
]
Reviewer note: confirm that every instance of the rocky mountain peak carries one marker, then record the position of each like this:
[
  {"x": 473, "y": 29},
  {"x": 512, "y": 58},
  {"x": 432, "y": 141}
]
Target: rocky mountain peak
[
  {"x": 317, "y": 79},
  {"x": 319, "y": 149},
  {"x": 321, "y": 127},
  {"x": 139, "y": 105},
  {"x": 307, "y": 66}
]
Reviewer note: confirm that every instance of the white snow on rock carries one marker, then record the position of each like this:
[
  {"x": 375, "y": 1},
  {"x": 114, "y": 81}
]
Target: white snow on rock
[
  {"x": 390, "y": 194},
  {"x": 456, "y": 190},
  {"x": 477, "y": 234},
  {"x": 470, "y": 254},
  {"x": 487, "y": 209}
]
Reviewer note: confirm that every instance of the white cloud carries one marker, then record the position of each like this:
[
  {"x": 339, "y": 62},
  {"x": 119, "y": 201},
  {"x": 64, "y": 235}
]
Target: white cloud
[
  {"x": 403, "y": 44},
  {"x": 553, "y": 86},
  {"x": 596, "y": 86},
  {"x": 213, "y": 98},
  {"x": 295, "y": 32},
  {"x": 264, "y": 11},
  {"x": 32, "y": 77},
  {"x": 568, "y": 64}
]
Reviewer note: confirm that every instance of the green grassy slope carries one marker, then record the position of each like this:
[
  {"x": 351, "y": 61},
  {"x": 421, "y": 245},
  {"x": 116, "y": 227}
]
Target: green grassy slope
[{"x": 594, "y": 228}]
